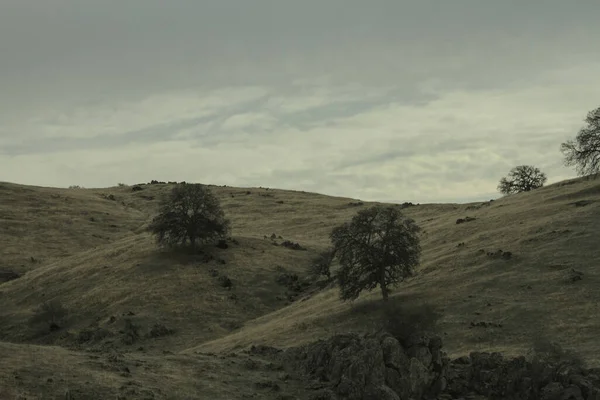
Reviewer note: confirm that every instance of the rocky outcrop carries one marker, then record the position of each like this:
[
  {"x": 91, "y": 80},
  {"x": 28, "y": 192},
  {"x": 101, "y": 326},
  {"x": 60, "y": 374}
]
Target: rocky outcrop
[
  {"x": 376, "y": 366},
  {"x": 379, "y": 366},
  {"x": 495, "y": 377}
]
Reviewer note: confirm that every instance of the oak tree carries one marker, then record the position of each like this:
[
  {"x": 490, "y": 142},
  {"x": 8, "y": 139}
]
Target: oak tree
[
  {"x": 189, "y": 214},
  {"x": 378, "y": 247},
  {"x": 522, "y": 178}
]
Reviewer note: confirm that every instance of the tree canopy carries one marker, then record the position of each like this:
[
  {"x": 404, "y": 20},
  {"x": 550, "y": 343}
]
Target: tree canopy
[
  {"x": 189, "y": 214},
  {"x": 378, "y": 247},
  {"x": 522, "y": 178},
  {"x": 584, "y": 151}
]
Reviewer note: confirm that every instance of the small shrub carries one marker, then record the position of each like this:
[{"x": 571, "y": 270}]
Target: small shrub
[
  {"x": 51, "y": 313},
  {"x": 356, "y": 203},
  {"x": 465, "y": 219},
  {"x": 505, "y": 255},
  {"x": 130, "y": 332},
  {"x": 159, "y": 330},
  {"x": 225, "y": 282},
  {"x": 136, "y": 188},
  {"x": 544, "y": 350},
  {"x": 213, "y": 272},
  {"x": 292, "y": 245},
  {"x": 122, "y": 184},
  {"x": 321, "y": 266}
]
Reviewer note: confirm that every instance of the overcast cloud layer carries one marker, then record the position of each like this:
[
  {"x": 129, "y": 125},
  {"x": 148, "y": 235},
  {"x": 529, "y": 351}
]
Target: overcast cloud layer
[{"x": 422, "y": 100}]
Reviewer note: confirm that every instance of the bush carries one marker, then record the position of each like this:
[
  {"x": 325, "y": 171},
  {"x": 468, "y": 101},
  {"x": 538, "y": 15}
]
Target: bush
[
  {"x": 544, "y": 351},
  {"x": 190, "y": 213},
  {"x": 321, "y": 266},
  {"x": 51, "y": 313},
  {"x": 159, "y": 330},
  {"x": 225, "y": 282},
  {"x": 130, "y": 332}
]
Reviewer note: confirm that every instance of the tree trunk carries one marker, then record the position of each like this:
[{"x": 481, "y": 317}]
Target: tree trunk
[
  {"x": 384, "y": 292},
  {"x": 382, "y": 284}
]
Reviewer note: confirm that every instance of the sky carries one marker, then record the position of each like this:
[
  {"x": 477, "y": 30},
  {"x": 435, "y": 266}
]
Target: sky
[{"x": 381, "y": 100}]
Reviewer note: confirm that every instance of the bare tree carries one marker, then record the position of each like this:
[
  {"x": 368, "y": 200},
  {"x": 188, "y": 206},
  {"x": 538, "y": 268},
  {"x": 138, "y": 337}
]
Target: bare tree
[{"x": 584, "y": 151}]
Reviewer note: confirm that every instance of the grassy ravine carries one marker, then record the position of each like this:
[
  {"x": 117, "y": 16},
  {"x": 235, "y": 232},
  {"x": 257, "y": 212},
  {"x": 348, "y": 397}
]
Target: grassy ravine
[{"x": 90, "y": 251}]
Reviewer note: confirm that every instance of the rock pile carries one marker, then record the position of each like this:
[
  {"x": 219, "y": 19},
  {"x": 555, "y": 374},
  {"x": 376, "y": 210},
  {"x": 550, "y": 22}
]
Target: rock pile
[
  {"x": 379, "y": 366},
  {"x": 375, "y": 366},
  {"x": 495, "y": 377}
]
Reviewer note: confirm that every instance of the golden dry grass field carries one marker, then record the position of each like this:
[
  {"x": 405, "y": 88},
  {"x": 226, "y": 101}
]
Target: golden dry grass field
[{"x": 88, "y": 249}]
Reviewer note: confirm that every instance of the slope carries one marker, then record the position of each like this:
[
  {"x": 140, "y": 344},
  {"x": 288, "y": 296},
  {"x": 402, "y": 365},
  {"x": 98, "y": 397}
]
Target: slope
[{"x": 488, "y": 302}]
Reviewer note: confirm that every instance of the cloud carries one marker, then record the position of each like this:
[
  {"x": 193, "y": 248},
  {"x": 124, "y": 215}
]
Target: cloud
[{"x": 388, "y": 100}]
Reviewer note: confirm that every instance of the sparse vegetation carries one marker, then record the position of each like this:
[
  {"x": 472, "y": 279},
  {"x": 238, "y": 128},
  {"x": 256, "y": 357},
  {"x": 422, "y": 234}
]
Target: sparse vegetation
[
  {"x": 522, "y": 178},
  {"x": 584, "y": 151},
  {"x": 225, "y": 282},
  {"x": 486, "y": 303},
  {"x": 50, "y": 314},
  {"x": 321, "y": 266},
  {"x": 191, "y": 213},
  {"x": 379, "y": 247}
]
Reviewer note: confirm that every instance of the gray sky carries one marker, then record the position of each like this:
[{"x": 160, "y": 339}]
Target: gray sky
[{"x": 389, "y": 100}]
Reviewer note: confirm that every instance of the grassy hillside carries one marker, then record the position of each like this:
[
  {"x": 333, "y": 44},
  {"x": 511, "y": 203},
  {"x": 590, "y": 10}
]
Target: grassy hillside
[
  {"x": 531, "y": 295},
  {"x": 91, "y": 253}
]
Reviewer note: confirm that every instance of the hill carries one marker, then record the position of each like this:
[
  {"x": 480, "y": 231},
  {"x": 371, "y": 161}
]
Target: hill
[{"x": 87, "y": 248}]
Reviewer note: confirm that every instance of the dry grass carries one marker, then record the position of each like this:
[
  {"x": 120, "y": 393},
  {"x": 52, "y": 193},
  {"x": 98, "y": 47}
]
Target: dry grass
[{"x": 97, "y": 271}]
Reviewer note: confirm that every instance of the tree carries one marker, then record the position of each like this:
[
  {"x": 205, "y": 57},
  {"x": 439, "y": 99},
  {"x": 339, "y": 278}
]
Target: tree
[
  {"x": 189, "y": 213},
  {"x": 378, "y": 247},
  {"x": 522, "y": 178},
  {"x": 584, "y": 151}
]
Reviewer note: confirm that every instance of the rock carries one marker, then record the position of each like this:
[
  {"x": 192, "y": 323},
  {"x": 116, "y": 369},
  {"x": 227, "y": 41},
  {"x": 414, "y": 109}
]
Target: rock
[
  {"x": 393, "y": 354},
  {"x": 421, "y": 353},
  {"x": 572, "y": 392},
  {"x": 7, "y": 275},
  {"x": 380, "y": 393},
  {"x": 552, "y": 391}
]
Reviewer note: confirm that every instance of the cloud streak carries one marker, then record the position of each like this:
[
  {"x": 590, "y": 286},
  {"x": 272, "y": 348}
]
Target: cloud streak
[{"x": 388, "y": 100}]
